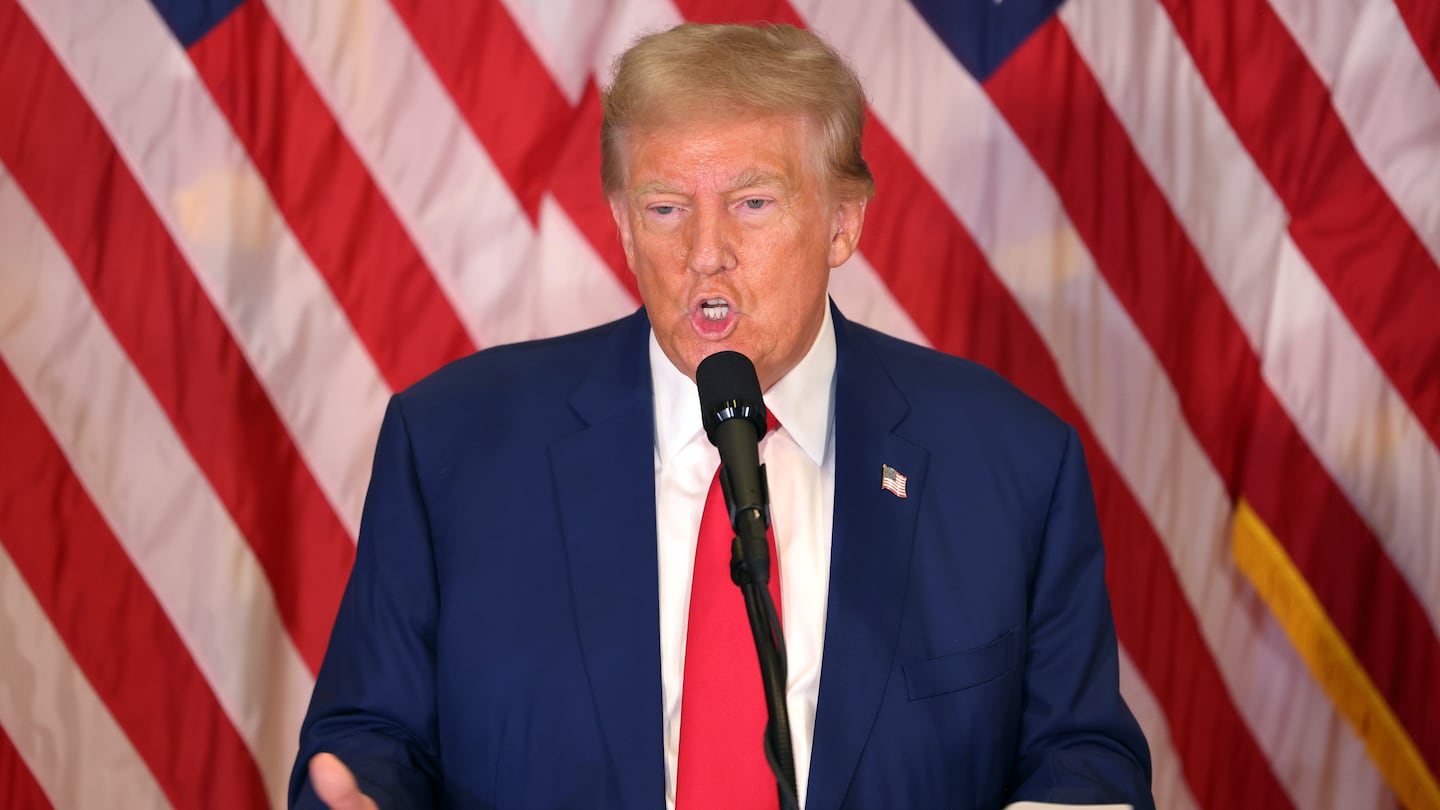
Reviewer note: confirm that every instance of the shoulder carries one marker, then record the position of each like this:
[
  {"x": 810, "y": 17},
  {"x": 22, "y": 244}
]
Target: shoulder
[
  {"x": 519, "y": 385},
  {"x": 964, "y": 396},
  {"x": 518, "y": 368}
]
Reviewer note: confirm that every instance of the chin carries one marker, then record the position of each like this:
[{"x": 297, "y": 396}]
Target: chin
[{"x": 708, "y": 348}]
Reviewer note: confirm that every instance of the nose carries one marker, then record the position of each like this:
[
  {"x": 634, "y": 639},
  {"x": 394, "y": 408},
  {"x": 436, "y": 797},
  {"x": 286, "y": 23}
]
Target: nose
[{"x": 709, "y": 243}]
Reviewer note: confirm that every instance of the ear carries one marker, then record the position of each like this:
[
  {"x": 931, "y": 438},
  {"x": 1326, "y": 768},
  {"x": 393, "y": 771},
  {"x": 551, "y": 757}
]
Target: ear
[
  {"x": 621, "y": 212},
  {"x": 849, "y": 219}
]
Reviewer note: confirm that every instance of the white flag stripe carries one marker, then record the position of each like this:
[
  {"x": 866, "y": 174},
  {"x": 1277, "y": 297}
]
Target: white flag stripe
[
  {"x": 969, "y": 152},
  {"x": 564, "y": 34},
  {"x": 1385, "y": 95},
  {"x": 567, "y": 286},
  {"x": 197, "y": 176},
  {"x": 461, "y": 214},
  {"x": 1167, "y": 780},
  {"x": 1342, "y": 403},
  {"x": 68, "y": 739},
  {"x": 147, "y": 487},
  {"x": 626, "y": 22}
]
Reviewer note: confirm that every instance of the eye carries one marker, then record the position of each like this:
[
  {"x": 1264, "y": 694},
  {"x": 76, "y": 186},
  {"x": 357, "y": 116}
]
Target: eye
[
  {"x": 663, "y": 210},
  {"x": 756, "y": 203}
]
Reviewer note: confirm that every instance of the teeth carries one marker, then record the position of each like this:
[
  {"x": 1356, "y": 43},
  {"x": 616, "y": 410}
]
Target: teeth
[{"x": 715, "y": 309}]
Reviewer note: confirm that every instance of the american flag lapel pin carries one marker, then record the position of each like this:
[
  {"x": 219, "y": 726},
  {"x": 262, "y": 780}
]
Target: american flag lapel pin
[{"x": 893, "y": 480}]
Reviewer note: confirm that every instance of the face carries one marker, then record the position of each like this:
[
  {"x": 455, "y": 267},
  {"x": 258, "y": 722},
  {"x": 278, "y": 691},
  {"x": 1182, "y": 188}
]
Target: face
[{"x": 731, "y": 232}]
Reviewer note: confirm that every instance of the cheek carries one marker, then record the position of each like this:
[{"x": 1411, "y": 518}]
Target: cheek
[
  {"x": 658, "y": 249},
  {"x": 803, "y": 261}
]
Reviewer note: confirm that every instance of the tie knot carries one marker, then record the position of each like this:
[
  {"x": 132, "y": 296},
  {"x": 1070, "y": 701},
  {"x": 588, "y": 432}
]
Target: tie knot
[{"x": 771, "y": 423}]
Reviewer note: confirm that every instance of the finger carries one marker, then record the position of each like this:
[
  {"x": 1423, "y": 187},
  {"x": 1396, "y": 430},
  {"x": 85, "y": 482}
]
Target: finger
[{"x": 335, "y": 785}]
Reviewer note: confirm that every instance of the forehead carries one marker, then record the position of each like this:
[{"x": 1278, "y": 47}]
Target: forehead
[{"x": 719, "y": 151}]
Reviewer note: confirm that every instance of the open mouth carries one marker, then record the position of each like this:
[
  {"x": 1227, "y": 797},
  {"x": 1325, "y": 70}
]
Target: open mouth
[
  {"x": 715, "y": 309},
  {"x": 713, "y": 318}
]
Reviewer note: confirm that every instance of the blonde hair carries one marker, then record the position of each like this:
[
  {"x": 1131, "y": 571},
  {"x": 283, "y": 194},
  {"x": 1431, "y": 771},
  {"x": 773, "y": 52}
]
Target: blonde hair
[{"x": 765, "y": 69}]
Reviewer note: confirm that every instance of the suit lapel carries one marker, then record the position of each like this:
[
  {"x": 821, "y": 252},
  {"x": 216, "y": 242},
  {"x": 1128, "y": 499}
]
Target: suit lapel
[
  {"x": 604, "y": 479},
  {"x": 871, "y": 541}
]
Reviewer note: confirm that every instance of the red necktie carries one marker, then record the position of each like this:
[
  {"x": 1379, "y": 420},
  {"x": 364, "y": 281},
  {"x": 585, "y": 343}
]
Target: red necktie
[{"x": 722, "y": 704}]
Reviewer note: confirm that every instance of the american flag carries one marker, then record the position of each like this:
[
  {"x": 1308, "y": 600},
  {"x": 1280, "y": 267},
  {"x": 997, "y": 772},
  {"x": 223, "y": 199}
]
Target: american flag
[
  {"x": 891, "y": 479},
  {"x": 1205, "y": 232}
]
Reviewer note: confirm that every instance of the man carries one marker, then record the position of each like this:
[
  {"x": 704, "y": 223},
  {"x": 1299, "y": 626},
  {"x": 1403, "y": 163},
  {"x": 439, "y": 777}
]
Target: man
[{"x": 517, "y": 626}]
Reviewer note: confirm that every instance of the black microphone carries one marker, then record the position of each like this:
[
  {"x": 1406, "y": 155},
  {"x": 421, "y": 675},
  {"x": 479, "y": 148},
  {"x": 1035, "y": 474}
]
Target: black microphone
[{"x": 734, "y": 417}]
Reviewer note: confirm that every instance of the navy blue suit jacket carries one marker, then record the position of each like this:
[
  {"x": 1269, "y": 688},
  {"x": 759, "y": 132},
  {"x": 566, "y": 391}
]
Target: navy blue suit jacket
[{"x": 498, "y": 643}]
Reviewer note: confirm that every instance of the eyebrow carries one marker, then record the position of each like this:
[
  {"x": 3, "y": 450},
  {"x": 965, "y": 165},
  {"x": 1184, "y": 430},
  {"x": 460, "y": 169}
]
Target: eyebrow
[
  {"x": 748, "y": 179},
  {"x": 757, "y": 178},
  {"x": 654, "y": 187}
]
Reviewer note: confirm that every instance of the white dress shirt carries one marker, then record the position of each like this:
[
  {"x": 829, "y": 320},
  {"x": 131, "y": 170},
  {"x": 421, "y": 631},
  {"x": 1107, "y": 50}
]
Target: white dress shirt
[{"x": 800, "y": 463}]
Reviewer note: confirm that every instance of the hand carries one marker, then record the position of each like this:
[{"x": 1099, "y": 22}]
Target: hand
[{"x": 335, "y": 785}]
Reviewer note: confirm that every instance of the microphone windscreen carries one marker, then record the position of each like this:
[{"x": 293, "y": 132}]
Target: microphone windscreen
[{"x": 729, "y": 388}]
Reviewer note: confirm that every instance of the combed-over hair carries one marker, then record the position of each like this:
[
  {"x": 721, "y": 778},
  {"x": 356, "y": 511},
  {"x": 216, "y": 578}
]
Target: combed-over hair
[{"x": 695, "y": 69}]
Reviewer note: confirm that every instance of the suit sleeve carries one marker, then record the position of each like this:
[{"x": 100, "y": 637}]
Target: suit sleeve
[
  {"x": 1079, "y": 743},
  {"x": 374, "y": 703}
]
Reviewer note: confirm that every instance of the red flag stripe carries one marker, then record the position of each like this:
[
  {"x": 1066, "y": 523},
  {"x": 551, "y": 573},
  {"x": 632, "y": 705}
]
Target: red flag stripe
[
  {"x": 513, "y": 105},
  {"x": 18, "y": 788},
  {"x": 1422, "y": 17},
  {"x": 1218, "y": 377},
  {"x": 326, "y": 194},
  {"x": 576, "y": 187},
  {"x": 505, "y": 93},
  {"x": 1383, "y": 92},
  {"x": 54, "y": 717},
  {"x": 116, "y": 631},
  {"x": 1356, "y": 240},
  {"x": 906, "y": 241},
  {"x": 140, "y": 283}
]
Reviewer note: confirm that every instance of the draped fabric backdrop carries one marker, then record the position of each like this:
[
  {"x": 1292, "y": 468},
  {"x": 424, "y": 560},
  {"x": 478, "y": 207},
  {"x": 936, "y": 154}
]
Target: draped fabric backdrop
[{"x": 1205, "y": 232}]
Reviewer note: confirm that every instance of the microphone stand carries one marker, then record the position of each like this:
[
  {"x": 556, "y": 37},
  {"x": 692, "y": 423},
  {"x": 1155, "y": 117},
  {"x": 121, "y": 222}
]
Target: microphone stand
[{"x": 750, "y": 570}]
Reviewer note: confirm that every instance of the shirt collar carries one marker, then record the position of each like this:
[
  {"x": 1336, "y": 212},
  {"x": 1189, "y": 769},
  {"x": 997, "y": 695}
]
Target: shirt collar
[{"x": 803, "y": 400}]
